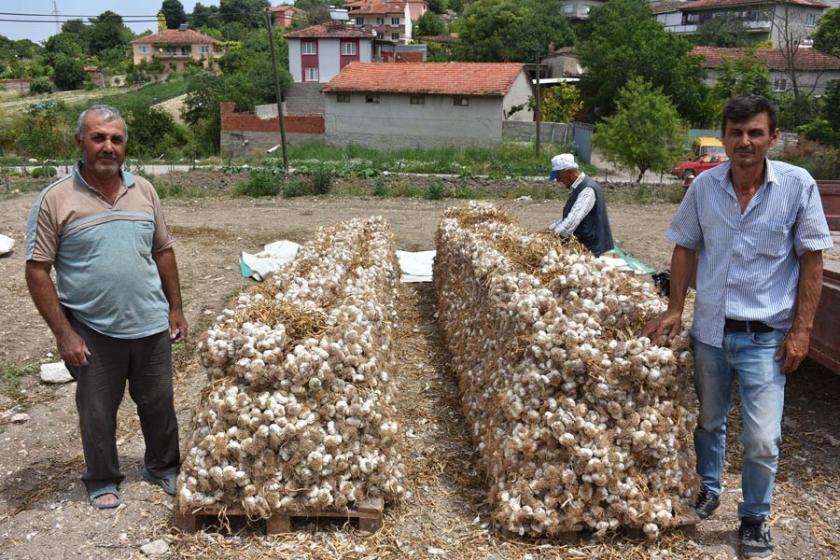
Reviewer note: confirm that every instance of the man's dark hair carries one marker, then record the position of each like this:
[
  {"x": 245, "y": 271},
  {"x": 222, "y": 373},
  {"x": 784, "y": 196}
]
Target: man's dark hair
[{"x": 742, "y": 107}]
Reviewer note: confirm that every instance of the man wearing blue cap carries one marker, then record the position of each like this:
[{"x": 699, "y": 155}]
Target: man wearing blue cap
[{"x": 585, "y": 213}]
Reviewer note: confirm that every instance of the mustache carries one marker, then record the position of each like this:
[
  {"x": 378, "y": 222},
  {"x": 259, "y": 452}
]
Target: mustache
[{"x": 744, "y": 151}]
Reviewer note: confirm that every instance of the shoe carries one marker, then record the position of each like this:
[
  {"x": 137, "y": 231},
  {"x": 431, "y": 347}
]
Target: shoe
[
  {"x": 706, "y": 504},
  {"x": 754, "y": 536},
  {"x": 109, "y": 488},
  {"x": 167, "y": 482}
]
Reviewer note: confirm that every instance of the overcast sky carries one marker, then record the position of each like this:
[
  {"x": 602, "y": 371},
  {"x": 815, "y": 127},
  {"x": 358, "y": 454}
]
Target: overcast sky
[{"x": 40, "y": 31}]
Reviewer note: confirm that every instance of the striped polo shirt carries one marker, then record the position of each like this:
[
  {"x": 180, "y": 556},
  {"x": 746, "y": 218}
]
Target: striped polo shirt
[
  {"x": 748, "y": 266},
  {"x": 102, "y": 253}
]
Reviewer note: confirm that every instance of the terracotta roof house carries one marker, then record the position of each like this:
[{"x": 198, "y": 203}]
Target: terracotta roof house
[
  {"x": 762, "y": 19},
  {"x": 284, "y": 15},
  {"x": 319, "y": 52},
  {"x": 391, "y": 19},
  {"x": 425, "y": 104},
  {"x": 175, "y": 48},
  {"x": 813, "y": 68}
]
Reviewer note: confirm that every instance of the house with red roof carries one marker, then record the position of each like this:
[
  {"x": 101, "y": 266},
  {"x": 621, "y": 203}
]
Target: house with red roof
[
  {"x": 423, "y": 104},
  {"x": 319, "y": 52},
  {"x": 764, "y": 20},
  {"x": 176, "y": 48},
  {"x": 284, "y": 15},
  {"x": 391, "y": 19},
  {"x": 813, "y": 68}
]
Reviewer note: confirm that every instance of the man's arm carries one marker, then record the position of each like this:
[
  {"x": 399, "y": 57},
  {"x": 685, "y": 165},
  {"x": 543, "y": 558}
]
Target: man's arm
[
  {"x": 71, "y": 346},
  {"x": 794, "y": 348},
  {"x": 682, "y": 272},
  {"x": 582, "y": 206},
  {"x": 168, "y": 271}
]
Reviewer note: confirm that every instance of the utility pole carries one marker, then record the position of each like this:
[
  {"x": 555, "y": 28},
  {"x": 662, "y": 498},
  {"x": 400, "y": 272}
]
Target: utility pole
[
  {"x": 278, "y": 90},
  {"x": 55, "y": 13},
  {"x": 539, "y": 104}
]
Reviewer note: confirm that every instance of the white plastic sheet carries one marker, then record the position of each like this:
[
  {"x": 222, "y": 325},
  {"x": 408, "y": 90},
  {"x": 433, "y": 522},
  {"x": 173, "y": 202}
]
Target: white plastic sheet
[
  {"x": 273, "y": 256},
  {"x": 416, "y": 266}
]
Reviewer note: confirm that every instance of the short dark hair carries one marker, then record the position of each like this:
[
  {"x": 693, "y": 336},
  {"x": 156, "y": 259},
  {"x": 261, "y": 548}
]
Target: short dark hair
[{"x": 742, "y": 107}]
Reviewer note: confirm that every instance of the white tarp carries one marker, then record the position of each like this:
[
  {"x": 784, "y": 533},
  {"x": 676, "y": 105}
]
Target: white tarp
[
  {"x": 417, "y": 266},
  {"x": 270, "y": 259},
  {"x": 6, "y": 245}
]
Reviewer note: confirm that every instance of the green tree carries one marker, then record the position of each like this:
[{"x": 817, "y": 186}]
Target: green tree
[
  {"x": 430, "y": 24},
  {"x": 645, "y": 132},
  {"x": 625, "y": 41},
  {"x": 438, "y": 6},
  {"x": 68, "y": 72},
  {"x": 79, "y": 31},
  {"x": 827, "y": 36},
  {"x": 250, "y": 13},
  {"x": 204, "y": 16},
  {"x": 150, "y": 130},
  {"x": 63, "y": 43},
  {"x": 560, "y": 103},
  {"x": 46, "y": 133},
  {"x": 107, "y": 31},
  {"x": 724, "y": 31},
  {"x": 511, "y": 30},
  {"x": 744, "y": 75},
  {"x": 173, "y": 12}
]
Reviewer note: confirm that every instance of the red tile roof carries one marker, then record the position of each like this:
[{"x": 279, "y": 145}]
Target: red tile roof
[
  {"x": 375, "y": 7},
  {"x": 442, "y": 78},
  {"x": 698, "y": 5},
  {"x": 175, "y": 37},
  {"x": 804, "y": 59},
  {"x": 286, "y": 8},
  {"x": 330, "y": 30}
]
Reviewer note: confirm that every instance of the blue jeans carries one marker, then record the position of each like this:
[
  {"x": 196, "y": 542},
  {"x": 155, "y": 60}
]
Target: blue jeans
[{"x": 762, "y": 383}]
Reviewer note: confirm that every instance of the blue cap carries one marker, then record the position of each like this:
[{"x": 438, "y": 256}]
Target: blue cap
[{"x": 554, "y": 174}]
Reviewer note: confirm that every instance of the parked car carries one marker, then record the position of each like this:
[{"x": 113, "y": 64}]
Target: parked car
[
  {"x": 704, "y": 145},
  {"x": 692, "y": 167}
]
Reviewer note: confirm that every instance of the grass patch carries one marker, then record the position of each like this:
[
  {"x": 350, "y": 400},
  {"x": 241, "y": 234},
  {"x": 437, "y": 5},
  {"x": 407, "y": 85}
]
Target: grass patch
[
  {"x": 145, "y": 96},
  {"x": 174, "y": 190},
  {"x": 646, "y": 194},
  {"x": 11, "y": 379}
]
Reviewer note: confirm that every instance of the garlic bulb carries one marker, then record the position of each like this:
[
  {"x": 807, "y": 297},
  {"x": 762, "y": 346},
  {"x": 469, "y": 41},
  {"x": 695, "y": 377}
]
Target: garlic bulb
[
  {"x": 299, "y": 414},
  {"x": 579, "y": 422}
]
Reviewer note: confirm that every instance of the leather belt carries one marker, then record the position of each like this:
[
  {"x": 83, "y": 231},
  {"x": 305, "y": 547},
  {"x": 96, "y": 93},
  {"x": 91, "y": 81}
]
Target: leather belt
[{"x": 733, "y": 325}]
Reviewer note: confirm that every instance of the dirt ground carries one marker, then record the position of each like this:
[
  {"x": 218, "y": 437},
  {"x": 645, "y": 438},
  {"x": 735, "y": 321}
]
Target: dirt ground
[{"x": 43, "y": 507}]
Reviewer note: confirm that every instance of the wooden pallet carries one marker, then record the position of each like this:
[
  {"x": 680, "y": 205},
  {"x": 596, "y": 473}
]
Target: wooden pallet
[{"x": 367, "y": 515}]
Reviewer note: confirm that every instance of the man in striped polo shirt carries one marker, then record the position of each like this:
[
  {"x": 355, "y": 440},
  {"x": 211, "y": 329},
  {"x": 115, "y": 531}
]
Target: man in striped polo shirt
[
  {"x": 117, "y": 306},
  {"x": 757, "y": 230}
]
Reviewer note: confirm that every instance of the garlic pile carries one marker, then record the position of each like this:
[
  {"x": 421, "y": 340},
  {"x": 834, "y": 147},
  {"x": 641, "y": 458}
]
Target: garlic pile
[
  {"x": 298, "y": 415},
  {"x": 580, "y": 423}
]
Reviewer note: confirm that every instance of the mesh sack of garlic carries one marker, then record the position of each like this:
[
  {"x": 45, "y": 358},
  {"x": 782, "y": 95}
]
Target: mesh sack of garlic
[
  {"x": 298, "y": 415},
  {"x": 580, "y": 424}
]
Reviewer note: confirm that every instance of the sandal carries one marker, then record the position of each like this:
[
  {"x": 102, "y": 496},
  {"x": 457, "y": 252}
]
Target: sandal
[
  {"x": 109, "y": 488},
  {"x": 167, "y": 481}
]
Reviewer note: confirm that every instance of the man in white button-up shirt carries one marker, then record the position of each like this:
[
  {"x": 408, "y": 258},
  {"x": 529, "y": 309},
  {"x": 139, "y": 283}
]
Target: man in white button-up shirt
[{"x": 758, "y": 230}]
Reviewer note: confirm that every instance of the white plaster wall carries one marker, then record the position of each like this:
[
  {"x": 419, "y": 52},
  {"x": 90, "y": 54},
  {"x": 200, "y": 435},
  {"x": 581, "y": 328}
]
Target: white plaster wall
[
  {"x": 294, "y": 60},
  {"x": 395, "y": 123},
  {"x": 329, "y": 53},
  {"x": 520, "y": 92}
]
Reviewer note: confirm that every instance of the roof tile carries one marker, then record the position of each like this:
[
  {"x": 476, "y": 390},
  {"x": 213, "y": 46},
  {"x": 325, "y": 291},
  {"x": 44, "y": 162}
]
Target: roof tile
[
  {"x": 330, "y": 30},
  {"x": 175, "y": 37},
  {"x": 694, "y": 5},
  {"x": 804, "y": 59}
]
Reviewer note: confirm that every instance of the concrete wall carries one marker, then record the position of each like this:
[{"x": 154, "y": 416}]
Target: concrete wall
[
  {"x": 252, "y": 143},
  {"x": 244, "y": 133},
  {"x": 550, "y": 133},
  {"x": 294, "y": 60},
  {"x": 395, "y": 123},
  {"x": 519, "y": 94},
  {"x": 19, "y": 86},
  {"x": 305, "y": 99}
]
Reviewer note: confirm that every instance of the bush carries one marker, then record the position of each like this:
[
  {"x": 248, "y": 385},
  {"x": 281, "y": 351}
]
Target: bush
[
  {"x": 321, "y": 178},
  {"x": 434, "y": 192},
  {"x": 263, "y": 182},
  {"x": 294, "y": 188},
  {"x": 41, "y": 84},
  {"x": 47, "y": 171},
  {"x": 379, "y": 188}
]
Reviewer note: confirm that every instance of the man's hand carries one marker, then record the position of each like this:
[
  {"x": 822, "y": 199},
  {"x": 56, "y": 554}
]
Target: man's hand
[
  {"x": 73, "y": 349},
  {"x": 178, "y": 328},
  {"x": 793, "y": 350},
  {"x": 669, "y": 322}
]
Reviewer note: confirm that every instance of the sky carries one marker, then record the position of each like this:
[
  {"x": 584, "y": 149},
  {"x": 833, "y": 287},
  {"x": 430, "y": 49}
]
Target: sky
[{"x": 39, "y": 32}]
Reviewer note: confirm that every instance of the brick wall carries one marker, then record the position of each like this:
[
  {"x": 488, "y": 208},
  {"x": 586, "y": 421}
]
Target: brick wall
[{"x": 248, "y": 133}]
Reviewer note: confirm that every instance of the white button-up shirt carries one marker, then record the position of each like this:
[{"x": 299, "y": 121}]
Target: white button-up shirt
[{"x": 748, "y": 267}]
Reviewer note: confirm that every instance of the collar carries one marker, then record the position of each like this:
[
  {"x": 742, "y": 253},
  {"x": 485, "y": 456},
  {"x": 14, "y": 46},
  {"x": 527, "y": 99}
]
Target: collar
[
  {"x": 577, "y": 181},
  {"x": 723, "y": 175},
  {"x": 127, "y": 178}
]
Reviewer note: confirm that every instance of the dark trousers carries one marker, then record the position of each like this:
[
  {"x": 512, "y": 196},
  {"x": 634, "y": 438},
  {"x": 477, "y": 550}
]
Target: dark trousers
[{"x": 146, "y": 363}]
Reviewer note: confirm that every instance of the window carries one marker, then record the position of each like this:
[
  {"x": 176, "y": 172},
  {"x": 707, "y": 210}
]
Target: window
[
  {"x": 205, "y": 49},
  {"x": 380, "y": 21},
  {"x": 371, "y": 98},
  {"x": 342, "y": 98},
  {"x": 144, "y": 49},
  {"x": 417, "y": 100},
  {"x": 461, "y": 101},
  {"x": 395, "y": 21},
  {"x": 309, "y": 47},
  {"x": 395, "y": 36},
  {"x": 780, "y": 84},
  {"x": 811, "y": 19},
  {"x": 311, "y": 75},
  {"x": 360, "y": 21},
  {"x": 348, "y": 48},
  {"x": 568, "y": 8}
]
